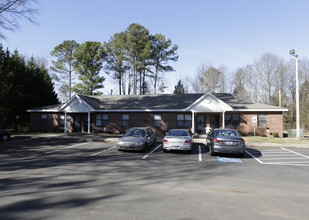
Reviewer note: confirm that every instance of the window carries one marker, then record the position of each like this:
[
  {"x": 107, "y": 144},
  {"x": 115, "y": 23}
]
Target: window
[
  {"x": 61, "y": 120},
  {"x": 101, "y": 119},
  {"x": 184, "y": 120},
  {"x": 125, "y": 120},
  {"x": 43, "y": 119},
  {"x": 262, "y": 120},
  {"x": 157, "y": 120},
  {"x": 232, "y": 120}
]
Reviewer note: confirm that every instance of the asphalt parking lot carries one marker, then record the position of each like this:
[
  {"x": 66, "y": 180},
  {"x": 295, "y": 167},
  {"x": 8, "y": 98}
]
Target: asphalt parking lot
[{"x": 76, "y": 179}]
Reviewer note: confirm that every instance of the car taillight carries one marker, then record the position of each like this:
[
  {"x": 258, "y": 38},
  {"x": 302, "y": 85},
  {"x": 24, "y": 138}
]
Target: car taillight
[
  {"x": 165, "y": 141},
  {"x": 187, "y": 142},
  {"x": 217, "y": 141},
  {"x": 241, "y": 141}
]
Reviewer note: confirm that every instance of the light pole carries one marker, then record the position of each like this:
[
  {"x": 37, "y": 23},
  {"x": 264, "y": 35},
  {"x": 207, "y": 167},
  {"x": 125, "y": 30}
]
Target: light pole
[{"x": 292, "y": 52}]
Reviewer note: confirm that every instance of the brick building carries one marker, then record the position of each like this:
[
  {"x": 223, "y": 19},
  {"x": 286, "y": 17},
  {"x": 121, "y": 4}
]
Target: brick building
[{"x": 115, "y": 114}]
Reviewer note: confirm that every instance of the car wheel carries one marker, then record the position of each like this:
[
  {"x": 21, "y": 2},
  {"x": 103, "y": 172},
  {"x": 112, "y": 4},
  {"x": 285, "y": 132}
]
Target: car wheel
[
  {"x": 189, "y": 151},
  {"x": 212, "y": 153},
  {"x": 154, "y": 141},
  {"x": 241, "y": 155},
  {"x": 145, "y": 148},
  {"x": 165, "y": 151},
  {"x": 5, "y": 137}
]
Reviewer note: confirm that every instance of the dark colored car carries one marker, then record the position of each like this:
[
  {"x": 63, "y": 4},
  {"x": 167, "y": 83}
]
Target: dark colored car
[
  {"x": 226, "y": 141},
  {"x": 5, "y": 135},
  {"x": 137, "y": 138}
]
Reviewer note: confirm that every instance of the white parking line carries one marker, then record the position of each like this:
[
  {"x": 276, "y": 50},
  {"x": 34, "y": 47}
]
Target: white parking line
[
  {"x": 254, "y": 157},
  {"x": 152, "y": 151},
  {"x": 76, "y": 145},
  {"x": 199, "y": 153},
  {"x": 103, "y": 151},
  {"x": 281, "y": 156},
  {"x": 295, "y": 152}
]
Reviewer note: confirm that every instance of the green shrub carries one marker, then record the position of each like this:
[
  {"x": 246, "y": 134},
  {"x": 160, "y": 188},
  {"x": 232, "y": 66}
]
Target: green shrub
[
  {"x": 250, "y": 134},
  {"x": 275, "y": 134},
  {"x": 263, "y": 135}
]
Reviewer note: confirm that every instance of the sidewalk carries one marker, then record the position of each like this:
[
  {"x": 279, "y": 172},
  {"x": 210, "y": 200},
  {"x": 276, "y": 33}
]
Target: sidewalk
[
  {"x": 85, "y": 137},
  {"x": 113, "y": 138}
]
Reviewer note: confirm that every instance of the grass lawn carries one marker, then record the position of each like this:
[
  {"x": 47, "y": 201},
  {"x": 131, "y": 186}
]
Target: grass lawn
[{"x": 272, "y": 139}]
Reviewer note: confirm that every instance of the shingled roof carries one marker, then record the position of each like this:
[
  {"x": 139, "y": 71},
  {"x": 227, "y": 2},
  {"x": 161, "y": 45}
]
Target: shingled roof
[
  {"x": 141, "y": 102},
  {"x": 161, "y": 102}
]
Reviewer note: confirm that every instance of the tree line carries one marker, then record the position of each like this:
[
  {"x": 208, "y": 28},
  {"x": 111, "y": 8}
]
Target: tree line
[
  {"x": 24, "y": 84},
  {"x": 134, "y": 58},
  {"x": 267, "y": 80}
]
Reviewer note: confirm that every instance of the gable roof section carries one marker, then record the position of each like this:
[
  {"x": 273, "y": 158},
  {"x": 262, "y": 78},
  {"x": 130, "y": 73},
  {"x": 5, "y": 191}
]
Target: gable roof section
[
  {"x": 167, "y": 102},
  {"x": 199, "y": 102},
  {"x": 209, "y": 103},
  {"x": 76, "y": 104}
]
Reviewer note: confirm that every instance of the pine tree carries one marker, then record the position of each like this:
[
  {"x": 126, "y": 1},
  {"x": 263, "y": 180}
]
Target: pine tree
[{"x": 179, "y": 88}]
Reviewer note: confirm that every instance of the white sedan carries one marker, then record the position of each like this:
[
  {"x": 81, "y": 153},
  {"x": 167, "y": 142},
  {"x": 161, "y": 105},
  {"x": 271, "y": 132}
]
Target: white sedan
[{"x": 178, "y": 139}]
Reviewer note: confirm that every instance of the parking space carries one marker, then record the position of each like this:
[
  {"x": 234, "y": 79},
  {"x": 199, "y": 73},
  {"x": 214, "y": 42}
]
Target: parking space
[
  {"x": 77, "y": 179},
  {"x": 265, "y": 156},
  {"x": 280, "y": 156}
]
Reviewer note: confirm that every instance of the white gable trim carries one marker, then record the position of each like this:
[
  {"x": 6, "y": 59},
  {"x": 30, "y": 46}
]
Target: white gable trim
[
  {"x": 194, "y": 105},
  {"x": 261, "y": 110},
  {"x": 81, "y": 100}
]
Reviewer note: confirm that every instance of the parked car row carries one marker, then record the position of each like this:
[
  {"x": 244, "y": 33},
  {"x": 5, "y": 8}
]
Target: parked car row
[{"x": 218, "y": 141}]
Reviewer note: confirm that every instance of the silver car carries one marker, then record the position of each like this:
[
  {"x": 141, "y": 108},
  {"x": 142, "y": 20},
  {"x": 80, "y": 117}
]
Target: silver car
[
  {"x": 137, "y": 138},
  {"x": 178, "y": 139},
  {"x": 225, "y": 141}
]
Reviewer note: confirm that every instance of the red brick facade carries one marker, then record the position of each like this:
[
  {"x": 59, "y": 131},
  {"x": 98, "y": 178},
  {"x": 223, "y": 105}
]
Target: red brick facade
[{"x": 168, "y": 121}]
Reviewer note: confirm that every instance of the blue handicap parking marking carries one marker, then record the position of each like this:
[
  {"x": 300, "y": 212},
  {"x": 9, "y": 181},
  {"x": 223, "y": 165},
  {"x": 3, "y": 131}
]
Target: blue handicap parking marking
[{"x": 229, "y": 160}]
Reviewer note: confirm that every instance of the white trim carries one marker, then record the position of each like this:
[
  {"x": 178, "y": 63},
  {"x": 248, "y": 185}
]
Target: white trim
[
  {"x": 44, "y": 110},
  {"x": 261, "y": 110},
  {"x": 145, "y": 110},
  {"x": 80, "y": 99},
  {"x": 166, "y": 110},
  {"x": 229, "y": 108}
]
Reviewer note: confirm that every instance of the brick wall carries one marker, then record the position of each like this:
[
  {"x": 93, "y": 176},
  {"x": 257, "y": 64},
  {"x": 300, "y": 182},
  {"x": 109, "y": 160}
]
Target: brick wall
[
  {"x": 274, "y": 124},
  {"x": 168, "y": 121}
]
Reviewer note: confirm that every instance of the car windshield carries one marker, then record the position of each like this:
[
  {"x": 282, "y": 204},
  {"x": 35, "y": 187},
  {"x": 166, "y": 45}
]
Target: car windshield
[
  {"x": 229, "y": 133},
  {"x": 135, "y": 133},
  {"x": 177, "y": 133}
]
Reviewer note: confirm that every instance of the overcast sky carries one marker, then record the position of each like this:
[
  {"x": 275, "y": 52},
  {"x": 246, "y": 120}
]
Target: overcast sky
[{"x": 218, "y": 32}]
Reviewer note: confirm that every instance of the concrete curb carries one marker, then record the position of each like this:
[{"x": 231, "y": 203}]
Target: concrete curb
[{"x": 159, "y": 139}]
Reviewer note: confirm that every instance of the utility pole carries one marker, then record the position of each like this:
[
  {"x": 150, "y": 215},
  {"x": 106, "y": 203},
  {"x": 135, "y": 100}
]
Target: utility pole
[{"x": 292, "y": 52}]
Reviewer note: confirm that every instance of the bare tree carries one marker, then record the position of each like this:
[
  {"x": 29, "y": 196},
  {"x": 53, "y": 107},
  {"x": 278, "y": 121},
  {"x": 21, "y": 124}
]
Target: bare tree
[
  {"x": 208, "y": 79},
  {"x": 269, "y": 68},
  {"x": 12, "y": 11}
]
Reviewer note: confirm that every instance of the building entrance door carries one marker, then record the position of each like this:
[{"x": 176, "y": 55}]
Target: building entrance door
[
  {"x": 200, "y": 124},
  {"x": 215, "y": 121},
  {"x": 76, "y": 123},
  {"x": 86, "y": 123}
]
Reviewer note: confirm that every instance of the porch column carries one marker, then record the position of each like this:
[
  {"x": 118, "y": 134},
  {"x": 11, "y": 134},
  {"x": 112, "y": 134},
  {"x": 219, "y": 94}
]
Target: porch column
[
  {"x": 65, "y": 122},
  {"x": 192, "y": 121},
  {"x": 223, "y": 119},
  {"x": 89, "y": 122}
]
